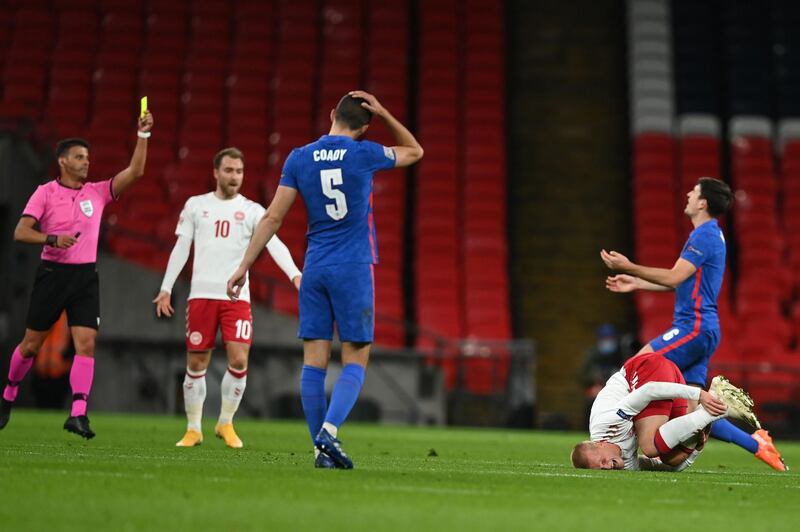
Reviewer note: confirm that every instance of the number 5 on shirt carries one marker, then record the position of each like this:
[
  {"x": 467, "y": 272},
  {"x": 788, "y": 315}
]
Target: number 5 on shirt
[{"x": 331, "y": 178}]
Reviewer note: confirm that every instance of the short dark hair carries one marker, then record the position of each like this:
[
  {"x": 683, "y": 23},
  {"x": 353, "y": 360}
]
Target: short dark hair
[
  {"x": 717, "y": 194},
  {"x": 350, "y": 113},
  {"x": 580, "y": 454},
  {"x": 233, "y": 153},
  {"x": 63, "y": 146}
]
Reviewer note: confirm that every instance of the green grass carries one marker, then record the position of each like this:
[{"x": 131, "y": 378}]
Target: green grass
[{"x": 132, "y": 478}]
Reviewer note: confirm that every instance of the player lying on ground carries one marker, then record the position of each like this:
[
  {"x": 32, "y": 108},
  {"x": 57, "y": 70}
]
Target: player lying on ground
[
  {"x": 220, "y": 224},
  {"x": 644, "y": 405},
  {"x": 68, "y": 211},
  {"x": 334, "y": 175},
  {"x": 696, "y": 279}
]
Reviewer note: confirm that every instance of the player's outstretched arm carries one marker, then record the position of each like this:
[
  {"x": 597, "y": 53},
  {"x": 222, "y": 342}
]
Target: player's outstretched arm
[
  {"x": 408, "y": 150},
  {"x": 177, "y": 260},
  {"x": 26, "y": 233},
  {"x": 264, "y": 231},
  {"x": 135, "y": 169},
  {"x": 623, "y": 283},
  {"x": 669, "y": 278},
  {"x": 636, "y": 401},
  {"x": 283, "y": 258}
]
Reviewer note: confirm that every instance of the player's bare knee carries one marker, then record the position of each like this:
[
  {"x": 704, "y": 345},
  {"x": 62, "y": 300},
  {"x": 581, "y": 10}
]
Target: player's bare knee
[
  {"x": 197, "y": 365},
  {"x": 85, "y": 347},
  {"x": 647, "y": 444},
  {"x": 29, "y": 347},
  {"x": 84, "y": 340},
  {"x": 356, "y": 353},
  {"x": 316, "y": 353},
  {"x": 198, "y": 361},
  {"x": 237, "y": 355},
  {"x": 316, "y": 359},
  {"x": 238, "y": 361},
  {"x": 649, "y": 449}
]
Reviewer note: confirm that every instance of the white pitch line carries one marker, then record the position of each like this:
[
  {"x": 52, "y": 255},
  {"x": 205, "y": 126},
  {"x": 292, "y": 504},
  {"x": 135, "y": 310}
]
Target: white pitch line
[
  {"x": 428, "y": 489},
  {"x": 114, "y": 474},
  {"x": 662, "y": 477},
  {"x": 119, "y": 474}
]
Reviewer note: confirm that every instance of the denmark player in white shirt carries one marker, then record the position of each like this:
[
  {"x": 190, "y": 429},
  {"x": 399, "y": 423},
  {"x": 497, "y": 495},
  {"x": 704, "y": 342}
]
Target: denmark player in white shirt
[
  {"x": 220, "y": 223},
  {"x": 645, "y": 405}
]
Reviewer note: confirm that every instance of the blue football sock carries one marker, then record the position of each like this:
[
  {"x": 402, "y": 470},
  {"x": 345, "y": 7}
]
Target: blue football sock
[
  {"x": 726, "y": 431},
  {"x": 345, "y": 394},
  {"x": 312, "y": 394}
]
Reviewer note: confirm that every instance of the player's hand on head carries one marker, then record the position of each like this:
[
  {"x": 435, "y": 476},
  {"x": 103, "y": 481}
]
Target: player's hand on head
[
  {"x": 65, "y": 241},
  {"x": 146, "y": 122},
  {"x": 163, "y": 304},
  {"x": 712, "y": 405},
  {"x": 371, "y": 104}
]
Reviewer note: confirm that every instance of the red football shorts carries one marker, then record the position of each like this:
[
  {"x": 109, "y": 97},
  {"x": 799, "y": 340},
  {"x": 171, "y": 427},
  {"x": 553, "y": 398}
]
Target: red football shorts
[
  {"x": 203, "y": 316},
  {"x": 651, "y": 367}
]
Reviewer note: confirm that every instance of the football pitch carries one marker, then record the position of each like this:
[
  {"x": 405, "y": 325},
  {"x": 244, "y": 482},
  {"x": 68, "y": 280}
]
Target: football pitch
[{"x": 131, "y": 477}]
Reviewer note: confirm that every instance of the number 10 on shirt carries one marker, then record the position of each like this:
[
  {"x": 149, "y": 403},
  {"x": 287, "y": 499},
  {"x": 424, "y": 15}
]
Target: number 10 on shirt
[
  {"x": 331, "y": 178},
  {"x": 222, "y": 228}
]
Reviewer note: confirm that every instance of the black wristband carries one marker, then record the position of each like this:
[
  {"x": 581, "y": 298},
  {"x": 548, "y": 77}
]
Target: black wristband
[{"x": 51, "y": 240}]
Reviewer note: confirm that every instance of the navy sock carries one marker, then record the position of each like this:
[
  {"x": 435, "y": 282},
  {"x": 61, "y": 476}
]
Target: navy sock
[
  {"x": 345, "y": 394},
  {"x": 726, "y": 431},
  {"x": 312, "y": 394}
]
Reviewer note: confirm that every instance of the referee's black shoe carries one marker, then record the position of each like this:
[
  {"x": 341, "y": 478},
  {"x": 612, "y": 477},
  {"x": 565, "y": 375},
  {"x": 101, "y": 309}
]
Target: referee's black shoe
[
  {"x": 5, "y": 412},
  {"x": 79, "y": 425}
]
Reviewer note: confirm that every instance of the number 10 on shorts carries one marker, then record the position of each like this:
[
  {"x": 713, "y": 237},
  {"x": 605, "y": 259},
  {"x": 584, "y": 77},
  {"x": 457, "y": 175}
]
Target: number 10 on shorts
[{"x": 244, "y": 329}]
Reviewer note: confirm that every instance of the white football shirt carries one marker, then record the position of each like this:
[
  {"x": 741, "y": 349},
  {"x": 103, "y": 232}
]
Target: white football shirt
[
  {"x": 616, "y": 405},
  {"x": 221, "y": 230}
]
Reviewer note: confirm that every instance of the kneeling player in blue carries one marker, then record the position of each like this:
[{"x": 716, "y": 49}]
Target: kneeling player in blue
[
  {"x": 696, "y": 279},
  {"x": 334, "y": 176}
]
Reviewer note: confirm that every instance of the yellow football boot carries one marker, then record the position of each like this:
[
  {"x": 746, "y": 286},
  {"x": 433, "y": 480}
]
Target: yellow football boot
[
  {"x": 190, "y": 439},
  {"x": 227, "y": 433}
]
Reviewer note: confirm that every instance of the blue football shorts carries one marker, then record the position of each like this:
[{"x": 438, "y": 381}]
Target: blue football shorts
[
  {"x": 340, "y": 293},
  {"x": 690, "y": 350}
]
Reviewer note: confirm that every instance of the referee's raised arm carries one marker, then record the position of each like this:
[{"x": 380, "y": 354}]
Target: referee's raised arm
[{"x": 135, "y": 170}]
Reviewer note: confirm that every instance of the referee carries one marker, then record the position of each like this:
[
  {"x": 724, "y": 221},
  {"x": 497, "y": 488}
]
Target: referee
[{"x": 68, "y": 211}]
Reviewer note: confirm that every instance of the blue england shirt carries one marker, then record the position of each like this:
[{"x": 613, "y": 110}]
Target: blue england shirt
[
  {"x": 334, "y": 177},
  {"x": 696, "y": 297}
]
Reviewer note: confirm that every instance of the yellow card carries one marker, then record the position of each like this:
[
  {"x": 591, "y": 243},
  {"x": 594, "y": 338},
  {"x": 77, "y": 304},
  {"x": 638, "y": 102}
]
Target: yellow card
[{"x": 143, "y": 106}]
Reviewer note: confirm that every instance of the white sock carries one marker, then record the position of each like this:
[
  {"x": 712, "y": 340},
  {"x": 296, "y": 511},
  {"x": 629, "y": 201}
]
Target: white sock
[
  {"x": 232, "y": 389},
  {"x": 694, "y": 440},
  {"x": 674, "y": 431},
  {"x": 332, "y": 429},
  {"x": 194, "y": 395}
]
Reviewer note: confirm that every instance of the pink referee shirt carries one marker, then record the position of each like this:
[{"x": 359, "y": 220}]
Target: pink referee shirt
[{"x": 61, "y": 210}]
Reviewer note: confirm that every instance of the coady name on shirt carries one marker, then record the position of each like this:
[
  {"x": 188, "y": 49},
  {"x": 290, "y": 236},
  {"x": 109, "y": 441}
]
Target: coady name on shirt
[{"x": 329, "y": 155}]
